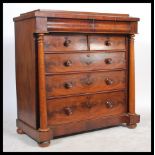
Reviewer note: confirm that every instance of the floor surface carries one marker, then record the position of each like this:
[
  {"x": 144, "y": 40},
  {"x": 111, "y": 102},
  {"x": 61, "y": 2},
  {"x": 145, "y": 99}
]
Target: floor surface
[{"x": 115, "y": 139}]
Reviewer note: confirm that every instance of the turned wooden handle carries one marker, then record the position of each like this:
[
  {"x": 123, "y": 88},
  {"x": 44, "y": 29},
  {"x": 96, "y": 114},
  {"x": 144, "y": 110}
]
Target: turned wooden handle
[
  {"x": 109, "y": 104},
  {"x": 67, "y": 42},
  {"x": 68, "y": 110},
  {"x": 88, "y": 82},
  {"x": 88, "y": 104},
  {"x": 107, "y": 43},
  {"x": 68, "y": 63},
  {"x": 68, "y": 85},
  {"x": 108, "y": 61},
  {"x": 109, "y": 81}
]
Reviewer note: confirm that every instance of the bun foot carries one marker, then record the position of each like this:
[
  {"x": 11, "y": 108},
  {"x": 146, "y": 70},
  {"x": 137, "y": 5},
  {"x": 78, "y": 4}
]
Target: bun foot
[
  {"x": 44, "y": 144},
  {"x": 20, "y": 131},
  {"x": 131, "y": 126}
]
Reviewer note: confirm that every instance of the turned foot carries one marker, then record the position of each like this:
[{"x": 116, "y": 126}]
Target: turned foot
[
  {"x": 131, "y": 126},
  {"x": 44, "y": 144},
  {"x": 20, "y": 131}
]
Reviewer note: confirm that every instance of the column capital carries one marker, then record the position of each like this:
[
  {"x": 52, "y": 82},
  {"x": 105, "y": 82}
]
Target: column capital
[
  {"x": 39, "y": 37},
  {"x": 131, "y": 36}
]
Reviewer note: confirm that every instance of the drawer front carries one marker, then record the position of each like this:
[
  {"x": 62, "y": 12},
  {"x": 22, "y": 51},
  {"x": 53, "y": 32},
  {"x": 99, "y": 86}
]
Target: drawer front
[
  {"x": 85, "y": 107},
  {"x": 68, "y": 25},
  {"x": 106, "y": 42},
  {"x": 84, "y": 61},
  {"x": 65, "y": 42},
  {"x": 84, "y": 82}
]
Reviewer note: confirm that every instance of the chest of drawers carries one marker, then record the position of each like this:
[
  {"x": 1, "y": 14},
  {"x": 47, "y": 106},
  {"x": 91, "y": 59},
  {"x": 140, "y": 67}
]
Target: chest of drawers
[{"x": 74, "y": 72}]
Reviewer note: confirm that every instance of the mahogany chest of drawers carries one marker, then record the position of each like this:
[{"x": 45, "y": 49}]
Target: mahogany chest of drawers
[{"x": 74, "y": 72}]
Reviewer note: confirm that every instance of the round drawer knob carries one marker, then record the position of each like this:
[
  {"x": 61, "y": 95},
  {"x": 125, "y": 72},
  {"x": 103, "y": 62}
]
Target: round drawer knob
[
  {"x": 88, "y": 82},
  {"x": 109, "y": 81},
  {"x": 68, "y": 85},
  {"x": 68, "y": 110},
  {"x": 67, "y": 43},
  {"x": 108, "y": 61},
  {"x": 109, "y": 104},
  {"x": 107, "y": 43},
  {"x": 68, "y": 63},
  {"x": 88, "y": 105}
]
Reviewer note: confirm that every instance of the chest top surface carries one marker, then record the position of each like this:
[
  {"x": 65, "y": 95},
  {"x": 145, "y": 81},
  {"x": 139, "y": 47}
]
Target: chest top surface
[
  {"x": 76, "y": 15},
  {"x": 73, "y": 21}
]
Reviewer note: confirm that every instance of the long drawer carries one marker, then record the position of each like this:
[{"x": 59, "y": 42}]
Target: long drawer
[
  {"x": 84, "y": 61},
  {"x": 72, "y": 109},
  {"x": 66, "y": 84}
]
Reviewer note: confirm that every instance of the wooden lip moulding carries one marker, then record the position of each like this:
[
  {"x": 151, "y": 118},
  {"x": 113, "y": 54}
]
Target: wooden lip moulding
[{"x": 74, "y": 72}]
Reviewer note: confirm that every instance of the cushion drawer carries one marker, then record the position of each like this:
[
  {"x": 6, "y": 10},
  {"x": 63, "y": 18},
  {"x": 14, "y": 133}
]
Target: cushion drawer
[
  {"x": 60, "y": 42},
  {"x": 84, "y": 61},
  {"x": 71, "y": 109},
  {"x": 84, "y": 82},
  {"x": 106, "y": 42}
]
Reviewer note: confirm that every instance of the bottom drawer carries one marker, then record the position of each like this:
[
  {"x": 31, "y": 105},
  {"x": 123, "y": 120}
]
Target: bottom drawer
[{"x": 71, "y": 109}]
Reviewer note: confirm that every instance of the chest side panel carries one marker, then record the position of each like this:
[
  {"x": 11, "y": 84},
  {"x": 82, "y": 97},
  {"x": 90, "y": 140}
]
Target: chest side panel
[{"x": 26, "y": 71}]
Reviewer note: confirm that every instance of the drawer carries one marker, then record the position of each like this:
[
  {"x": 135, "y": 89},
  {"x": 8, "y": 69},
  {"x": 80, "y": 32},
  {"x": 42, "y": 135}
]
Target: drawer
[
  {"x": 59, "y": 42},
  {"x": 71, "y": 109},
  {"x": 106, "y": 42},
  {"x": 84, "y": 61},
  {"x": 84, "y": 82}
]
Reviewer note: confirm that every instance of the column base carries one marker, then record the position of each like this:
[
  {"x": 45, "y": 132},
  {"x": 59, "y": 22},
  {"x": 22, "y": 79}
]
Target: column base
[
  {"x": 131, "y": 126},
  {"x": 44, "y": 144},
  {"x": 42, "y": 137},
  {"x": 20, "y": 131}
]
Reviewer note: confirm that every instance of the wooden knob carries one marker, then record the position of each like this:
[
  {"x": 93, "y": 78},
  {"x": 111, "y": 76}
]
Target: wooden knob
[
  {"x": 109, "y": 104},
  {"x": 109, "y": 81},
  {"x": 68, "y": 63},
  {"x": 67, "y": 43},
  {"x": 108, "y": 61},
  {"x": 107, "y": 43},
  {"x": 68, "y": 110},
  {"x": 88, "y": 105},
  {"x": 88, "y": 82},
  {"x": 68, "y": 85}
]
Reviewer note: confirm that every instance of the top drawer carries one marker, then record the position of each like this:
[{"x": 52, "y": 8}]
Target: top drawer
[
  {"x": 60, "y": 42},
  {"x": 106, "y": 42}
]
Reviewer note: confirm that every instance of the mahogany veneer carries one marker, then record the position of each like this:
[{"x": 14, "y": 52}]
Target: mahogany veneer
[{"x": 74, "y": 72}]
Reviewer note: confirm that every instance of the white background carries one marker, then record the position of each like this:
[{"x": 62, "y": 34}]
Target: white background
[{"x": 12, "y": 141}]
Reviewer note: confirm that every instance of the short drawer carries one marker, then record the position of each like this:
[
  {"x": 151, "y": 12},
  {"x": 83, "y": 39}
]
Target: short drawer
[
  {"x": 84, "y": 61},
  {"x": 106, "y": 42},
  {"x": 59, "y": 42},
  {"x": 71, "y": 109},
  {"x": 84, "y": 82}
]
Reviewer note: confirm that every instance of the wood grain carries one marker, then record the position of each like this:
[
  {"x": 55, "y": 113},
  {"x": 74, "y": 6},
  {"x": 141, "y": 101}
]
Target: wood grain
[
  {"x": 56, "y": 42},
  {"x": 85, "y": 107},
  {"x": 88, "y": 125},
  {"x": 111, "y": 26},
  {"x": 25, "y": 57},
  {"x": 74, "y": 72},
  {"x": 84, "y": 82},
  {"x": 98, "y": 42},
  {"x": 84, "y": 61},
  {"x": 131, "y": 76},
  {"x": 41, "y": 82},
  {"x": 76, "y": 15},
  {"x": 68, "y": 25}
]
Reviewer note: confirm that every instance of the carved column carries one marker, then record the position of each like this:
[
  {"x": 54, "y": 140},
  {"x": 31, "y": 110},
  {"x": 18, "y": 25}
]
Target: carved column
[
  {"x": 133, "y": 117},
  {"x": 41, "y": 82},
  {"x": 131, "y": 75}
]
